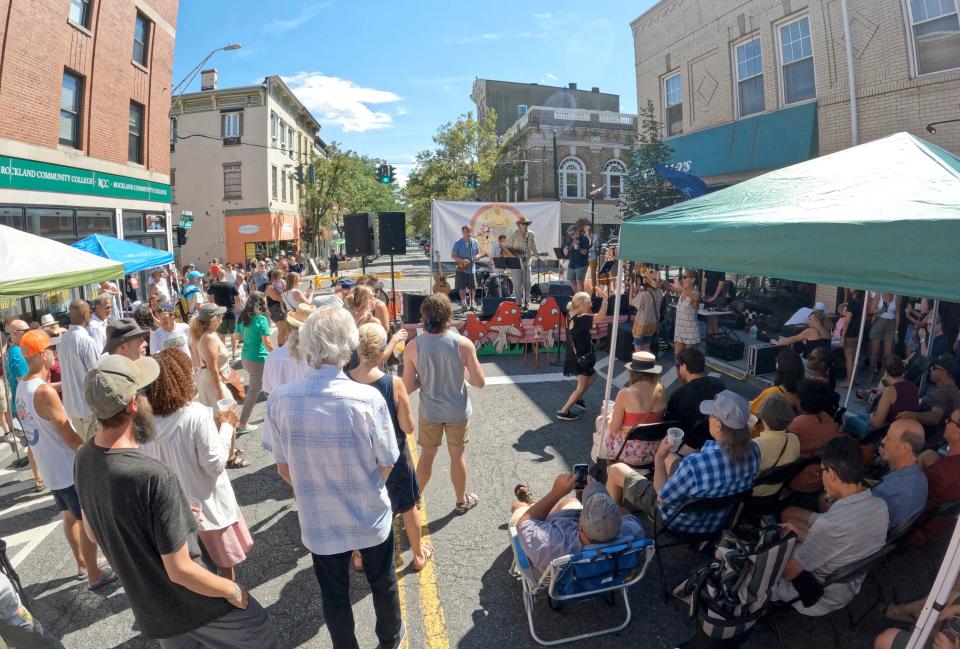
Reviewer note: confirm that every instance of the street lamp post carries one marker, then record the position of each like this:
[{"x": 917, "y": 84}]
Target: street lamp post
[{"x": 190, "y": 76}]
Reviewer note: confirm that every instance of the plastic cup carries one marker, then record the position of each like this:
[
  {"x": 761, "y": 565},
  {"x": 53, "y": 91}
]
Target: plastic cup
[
  {"x": 225, "y": 405},
  {"x": 675, "y": 435}
]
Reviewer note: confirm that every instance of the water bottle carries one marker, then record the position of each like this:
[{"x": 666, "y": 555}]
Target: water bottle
[{"x": 753, "y": 331}]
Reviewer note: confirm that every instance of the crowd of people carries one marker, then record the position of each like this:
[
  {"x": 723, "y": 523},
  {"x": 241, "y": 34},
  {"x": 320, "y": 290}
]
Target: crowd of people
[{"x": 137, "y": 430}]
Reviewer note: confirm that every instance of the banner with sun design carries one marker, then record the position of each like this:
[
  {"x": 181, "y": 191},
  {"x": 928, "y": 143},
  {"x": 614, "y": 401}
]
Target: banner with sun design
[{"x": 489, "y": 220}]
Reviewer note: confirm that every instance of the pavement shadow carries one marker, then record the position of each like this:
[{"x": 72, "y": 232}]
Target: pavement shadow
[{"x": 260, "y": 485}]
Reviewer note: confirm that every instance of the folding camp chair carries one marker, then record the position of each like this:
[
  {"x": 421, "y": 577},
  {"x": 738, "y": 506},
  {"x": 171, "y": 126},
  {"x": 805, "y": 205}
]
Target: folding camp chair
[
  {"x": 598, "y": 570},
  {"x": 639, "y": 433},
  {"x": 778, "y": 475}
]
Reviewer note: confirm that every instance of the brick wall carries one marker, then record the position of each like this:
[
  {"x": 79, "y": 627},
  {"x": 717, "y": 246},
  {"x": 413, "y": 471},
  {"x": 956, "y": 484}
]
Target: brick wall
[{"x": 40, "y": 43}]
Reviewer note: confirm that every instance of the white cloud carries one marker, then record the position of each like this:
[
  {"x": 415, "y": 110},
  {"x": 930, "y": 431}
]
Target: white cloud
[
  {"x": 278, "y": 27},
  {"x": 480, "y": 38},
  {"x": 401, "y": 111},
  {"x": 551, "y": 76},
  {"x": 342, "y": 102}
]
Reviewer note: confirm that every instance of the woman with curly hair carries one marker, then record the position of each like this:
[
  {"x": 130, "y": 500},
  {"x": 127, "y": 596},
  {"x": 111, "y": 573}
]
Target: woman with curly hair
[
  {"x": 254, "y": 328},
  {"x": 380, "y": 298},
  {"x": 195, "y": 443},
  {"x": 360, "y": 302}
]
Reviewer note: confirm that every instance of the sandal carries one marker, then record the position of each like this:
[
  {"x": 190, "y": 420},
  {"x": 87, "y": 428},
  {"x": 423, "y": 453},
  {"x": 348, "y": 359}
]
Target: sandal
[
  {"x": 357, "y": 561},
  {"x": 39, "y": 486},
  {"x": 897, "y": 614},
  {"x": 469, "y": 502},
  {"x": 109, "y": 576},
  {"x": 523, "y": 494},
  {"x": 427, "y": 555},
  {"x": 237, "y": 463},
  {"x": 238, "y": 451}
]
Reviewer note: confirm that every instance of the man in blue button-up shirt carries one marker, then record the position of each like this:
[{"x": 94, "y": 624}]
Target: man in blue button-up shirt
[{"x": 334, "y": 443}]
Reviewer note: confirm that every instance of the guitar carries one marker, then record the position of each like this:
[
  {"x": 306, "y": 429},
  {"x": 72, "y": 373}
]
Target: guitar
[
  {"x": 463, "y": 264},
  {"x": 440, "y": 284}
]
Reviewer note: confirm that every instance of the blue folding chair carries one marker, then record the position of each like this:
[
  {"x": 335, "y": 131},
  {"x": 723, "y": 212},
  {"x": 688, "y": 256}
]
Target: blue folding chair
[{"x": 597, "y": 571}]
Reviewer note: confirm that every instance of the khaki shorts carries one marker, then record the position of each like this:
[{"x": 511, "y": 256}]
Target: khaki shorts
[
  {"x": 3, "y": 395},
  {"x": 883, "y": 329},
  {"x": 431, "y": 433}
]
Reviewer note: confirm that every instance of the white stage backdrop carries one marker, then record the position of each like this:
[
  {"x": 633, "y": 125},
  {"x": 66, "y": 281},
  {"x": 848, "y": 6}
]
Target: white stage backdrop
[{"x": 490, "y": 220}]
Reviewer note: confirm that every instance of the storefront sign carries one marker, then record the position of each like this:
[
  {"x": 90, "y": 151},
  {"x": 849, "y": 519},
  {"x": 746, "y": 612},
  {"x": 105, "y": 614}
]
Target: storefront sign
[
  {"x": 17, "y": 173},
  {"x": 248, "y": 229}
]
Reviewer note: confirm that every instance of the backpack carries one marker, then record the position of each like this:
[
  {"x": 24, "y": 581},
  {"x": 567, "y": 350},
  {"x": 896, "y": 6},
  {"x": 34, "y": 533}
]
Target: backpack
[{"x": 182, "y": 309}]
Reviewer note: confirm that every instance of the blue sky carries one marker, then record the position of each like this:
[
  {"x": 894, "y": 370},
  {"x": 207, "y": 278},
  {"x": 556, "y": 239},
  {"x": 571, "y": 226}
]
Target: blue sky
[{"x": 380, "y": 77}]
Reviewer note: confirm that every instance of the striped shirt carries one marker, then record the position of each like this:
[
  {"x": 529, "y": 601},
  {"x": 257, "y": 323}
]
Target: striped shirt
[
  {"x": 335, "y": 435},
  {"x": 707, "y": 474}
]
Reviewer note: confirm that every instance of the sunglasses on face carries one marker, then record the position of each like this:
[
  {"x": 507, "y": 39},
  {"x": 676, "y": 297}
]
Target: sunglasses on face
[{"x": 955, "y": 422}]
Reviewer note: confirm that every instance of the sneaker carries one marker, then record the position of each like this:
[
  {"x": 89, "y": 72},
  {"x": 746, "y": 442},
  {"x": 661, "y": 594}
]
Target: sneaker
[
  {"x": 246, "y": 429},
  {"x": 567, "y": 416},
  {"x": 581, "y": 404}
]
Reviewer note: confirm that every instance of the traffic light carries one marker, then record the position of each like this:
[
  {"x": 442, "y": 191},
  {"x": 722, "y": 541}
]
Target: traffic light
[
  {"x": 311, "y": 175},
  {"x": 181, "y": 236},
  {"x": 383, "y": 174},
  {"x": 298, "y": 174},
  {"x": 393, "y": 174},
  {"x": 472, "y": 182}
]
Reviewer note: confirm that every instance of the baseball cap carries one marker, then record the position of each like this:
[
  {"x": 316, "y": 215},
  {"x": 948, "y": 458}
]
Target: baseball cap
[
  {"x": 194, "y": 274},
  {"x": 945, "y": 361},
  {"x": 34, "y": 342},
  {"x": 819, "y": 306},
  {"x": 209, "y": 311},
  {"x": 729, "y": 407},
  {"x": 120, "y": 331},
  {"x": 165, "y": 307},
  {"x": 346, "y": 282},
  {"x": 600, "y": 518},
  {"x": 114, "y": 381}
]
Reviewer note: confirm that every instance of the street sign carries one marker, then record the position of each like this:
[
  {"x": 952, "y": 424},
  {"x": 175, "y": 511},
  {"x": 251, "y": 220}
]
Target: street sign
[{"x": 186, "y": 219}]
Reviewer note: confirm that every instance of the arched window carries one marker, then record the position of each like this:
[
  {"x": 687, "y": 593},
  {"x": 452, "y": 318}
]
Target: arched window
[
  {"x": 573, "y": 178},
  {"x": 613, "y": 173}
]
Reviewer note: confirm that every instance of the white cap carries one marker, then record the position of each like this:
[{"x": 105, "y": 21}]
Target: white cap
[{"x": 819, "y": 306}]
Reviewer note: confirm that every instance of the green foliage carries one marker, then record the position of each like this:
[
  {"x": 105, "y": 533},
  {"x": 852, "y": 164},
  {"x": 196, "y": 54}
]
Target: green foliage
[
  {"x": 644, "y": 190},
  {"x": 461, "y": 147}
]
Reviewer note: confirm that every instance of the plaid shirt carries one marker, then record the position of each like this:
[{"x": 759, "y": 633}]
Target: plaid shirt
[
  {"x": 707, "y": 474},
  {"x": 335, "y": 435}
]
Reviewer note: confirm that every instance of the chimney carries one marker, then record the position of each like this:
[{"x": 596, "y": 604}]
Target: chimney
[
  {"x": 572, "y": 86},
  {"x": 595, "y": 89},
  {"x": 208, "y": 79}
]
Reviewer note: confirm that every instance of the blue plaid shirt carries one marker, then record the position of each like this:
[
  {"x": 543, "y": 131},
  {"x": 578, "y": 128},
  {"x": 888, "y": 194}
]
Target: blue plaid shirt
[
  {"x": 707, "y": 474},
  {"x": 335, "y": 435}
]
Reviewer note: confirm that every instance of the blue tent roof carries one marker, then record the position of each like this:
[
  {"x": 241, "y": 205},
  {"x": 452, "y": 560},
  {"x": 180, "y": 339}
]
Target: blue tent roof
[{"x": 134, "y": 256}]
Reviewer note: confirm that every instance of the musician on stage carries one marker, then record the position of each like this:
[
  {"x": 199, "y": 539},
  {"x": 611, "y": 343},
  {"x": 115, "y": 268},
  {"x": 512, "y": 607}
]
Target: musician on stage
[
  {"x": 465, "y": 253},
  {"x": 522, "y": 244}
]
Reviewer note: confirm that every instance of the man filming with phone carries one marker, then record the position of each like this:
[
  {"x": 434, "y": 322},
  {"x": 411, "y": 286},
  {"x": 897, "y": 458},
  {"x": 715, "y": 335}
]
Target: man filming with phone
[{"x": 576, "y": 512}]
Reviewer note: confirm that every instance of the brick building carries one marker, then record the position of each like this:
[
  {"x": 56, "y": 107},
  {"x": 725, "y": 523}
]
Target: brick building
[
  {"x": 566, "y": 153},
  {"x": 236, "y": 153},
  {"x": 84, "y": 97},
  {"x": 511, "y": 100}
]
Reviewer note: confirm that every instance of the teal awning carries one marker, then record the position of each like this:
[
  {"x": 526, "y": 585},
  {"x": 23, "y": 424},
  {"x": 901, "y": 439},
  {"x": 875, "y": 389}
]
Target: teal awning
[
  {"x": 768, "y": 141},
  {"x": 882, "y": 215}
]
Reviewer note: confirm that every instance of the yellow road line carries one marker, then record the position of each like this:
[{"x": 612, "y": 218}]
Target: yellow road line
[
  {"x": 434, "y": 623},
  {"x": 401, "y": 587}
]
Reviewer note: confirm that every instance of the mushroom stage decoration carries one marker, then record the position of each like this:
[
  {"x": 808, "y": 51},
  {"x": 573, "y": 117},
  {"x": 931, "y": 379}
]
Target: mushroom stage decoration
[
  {"x": 505, "y": 322},
  {"x": 547, "y": 319},
  {"x": 475, "y": 330}
]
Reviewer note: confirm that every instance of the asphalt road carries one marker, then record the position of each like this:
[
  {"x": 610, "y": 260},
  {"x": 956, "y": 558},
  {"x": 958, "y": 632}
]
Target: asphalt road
[{"x": 465, "y": 598}]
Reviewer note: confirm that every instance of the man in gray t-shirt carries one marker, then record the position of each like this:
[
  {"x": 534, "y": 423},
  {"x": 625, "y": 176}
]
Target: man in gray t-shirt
[{"x": 558, "y": 525}]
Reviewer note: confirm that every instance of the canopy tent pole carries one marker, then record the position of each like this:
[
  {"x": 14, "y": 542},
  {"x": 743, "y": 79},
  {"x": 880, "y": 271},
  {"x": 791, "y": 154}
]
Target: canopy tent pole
[
  {"x": 611, "y": 358},
  {"x": 937, "y": 599},
  {"x": 856, "y": 356},
  {"x": 930, "y": 337}
]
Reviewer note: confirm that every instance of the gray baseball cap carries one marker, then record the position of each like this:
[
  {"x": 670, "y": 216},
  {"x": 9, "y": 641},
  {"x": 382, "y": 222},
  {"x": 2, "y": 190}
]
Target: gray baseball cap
[
  {"x": 121, "y": 331},
  {"x": 730, "y": 408},
  {"x": 114, "y": 381},
  {"x": 600, "y": 518},
  {"x": 209, "y": 311}
]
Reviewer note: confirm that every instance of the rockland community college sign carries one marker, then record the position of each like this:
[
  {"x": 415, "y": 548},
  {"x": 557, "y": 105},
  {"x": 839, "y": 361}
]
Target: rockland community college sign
[{"x": 17, "y": 173}]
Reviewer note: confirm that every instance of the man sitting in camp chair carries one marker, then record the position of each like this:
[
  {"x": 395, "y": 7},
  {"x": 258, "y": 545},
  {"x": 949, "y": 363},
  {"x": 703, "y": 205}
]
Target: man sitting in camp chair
[
  {"x": 852, "y": 529},
  {"x": 558, "y": 525}
]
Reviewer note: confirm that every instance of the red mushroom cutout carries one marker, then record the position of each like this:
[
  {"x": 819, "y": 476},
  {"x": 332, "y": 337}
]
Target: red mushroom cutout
[
  {"x": 547, "y": 320},
  {"x": 505, "y": 322},
  {"x": 475, "y": 330}
]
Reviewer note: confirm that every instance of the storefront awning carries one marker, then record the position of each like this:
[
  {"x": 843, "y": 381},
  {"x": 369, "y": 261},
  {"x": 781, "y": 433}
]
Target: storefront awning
[{"x": 758, "y": 143}]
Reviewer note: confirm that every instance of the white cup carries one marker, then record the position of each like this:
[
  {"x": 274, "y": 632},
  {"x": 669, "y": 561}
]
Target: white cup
[
  {"x": 675, "y": 435},
  {"x": 225, "y": 405}
]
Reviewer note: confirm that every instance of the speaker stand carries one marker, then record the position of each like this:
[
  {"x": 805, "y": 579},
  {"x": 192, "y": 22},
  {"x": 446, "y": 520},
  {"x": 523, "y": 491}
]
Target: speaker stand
[
  {"x": 363, "y": 265},
  {"x": 393, "y": 292}
]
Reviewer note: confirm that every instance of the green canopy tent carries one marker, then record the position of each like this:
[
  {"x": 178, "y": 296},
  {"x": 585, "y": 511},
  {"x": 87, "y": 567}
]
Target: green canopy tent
[
  {"x": 883, "y": 215},
  {"x": 32, "y": 265}
]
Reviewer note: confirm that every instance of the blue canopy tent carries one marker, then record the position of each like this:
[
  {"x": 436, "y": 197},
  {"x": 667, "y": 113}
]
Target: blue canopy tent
[{"x": 134, "y": 256}]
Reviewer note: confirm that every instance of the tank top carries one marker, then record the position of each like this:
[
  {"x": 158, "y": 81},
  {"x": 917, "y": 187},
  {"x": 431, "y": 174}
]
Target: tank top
[
  {"x": 384, "y": 386},
  {"x": 53, "y": 457},
  {"x": 908, "y": 399},
  {"x": 291, "y": 303},
  {"x": 443, "y": 389}
]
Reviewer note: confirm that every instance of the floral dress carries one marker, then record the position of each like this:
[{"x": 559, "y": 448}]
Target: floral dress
[{"x": 687, "y": 330}]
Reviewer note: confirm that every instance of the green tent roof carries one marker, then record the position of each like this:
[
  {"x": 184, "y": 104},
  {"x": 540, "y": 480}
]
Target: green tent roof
[{"x": 882, "y": 215}]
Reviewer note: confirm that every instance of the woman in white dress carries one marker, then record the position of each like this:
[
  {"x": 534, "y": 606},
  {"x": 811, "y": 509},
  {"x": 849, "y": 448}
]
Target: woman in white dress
[{"x": 686, "y": 328}]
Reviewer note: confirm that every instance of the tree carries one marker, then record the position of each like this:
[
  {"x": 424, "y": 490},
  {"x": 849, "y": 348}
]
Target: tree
[
  {"x": 461, "y": 147},
  {"x": 644, "y": 190},
  {"x": 346, "y": 182}
]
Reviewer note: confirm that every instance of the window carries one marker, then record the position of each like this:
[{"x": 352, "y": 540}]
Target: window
[
  {"x": 231, "y": 181},
  {"x": 283, "y": 187},
  {"x": 135, "y": 138},
  {"x": 80, "y": 12},
  {"x": 141, "y": 37},
  {"x": 936, "y": 35},
  {"x": 573, "y": 178},
  {"x": 52, "y": 223},
  {"x": 796, "y": 59},
  {"x": 290, "y": 137},
  {"x": 749, "y": 78},
  {"x": 11, "y": 217},
  {"x": 93, "y": 221},
  {"x": 273, "y": 182},
  {"x": 133, "y": 222},
  {"x": 613, "y": 173},
  {"x": 71, "y": 96},
  {"x": 521, "y": 110},
  {"x": 283, "y": 135},
  {"x": 293, "y": 148},
  {"x": 231, "y": 127},
  {"x": 673, "y": 104},
  {"x": 173, "y": 134},
  {"x": 293, "y": 193},
  {"x": 274, "y": 120}
]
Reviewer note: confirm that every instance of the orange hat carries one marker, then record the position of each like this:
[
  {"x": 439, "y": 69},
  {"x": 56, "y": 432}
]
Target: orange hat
[{"x": 34, "y": 342}]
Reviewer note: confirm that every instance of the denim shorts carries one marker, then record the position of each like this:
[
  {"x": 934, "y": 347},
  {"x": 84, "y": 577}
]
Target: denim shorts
[{"x": 67, "y": 500}]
